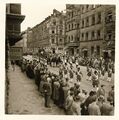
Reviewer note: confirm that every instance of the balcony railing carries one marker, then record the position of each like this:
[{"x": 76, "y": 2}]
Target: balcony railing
[{"x": 72, "y": 44}]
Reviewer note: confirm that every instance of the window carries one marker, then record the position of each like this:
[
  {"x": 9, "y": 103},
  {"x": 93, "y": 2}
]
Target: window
[
  {"x": 109, "y": 17},
  {"x": 72, "y": 14},
  {"x": 82, "y": 23},
  {"x": 82, "y": 8},
  {"x": 99, "y": 18},
  {"x": 93, "y": 19},
  {"x": 109, "y": 37},
  {"x": 54, "y": 22},
  {"x": 72, "y": 26},
  {"x": 93, "y": 35},
  {"x": 87, "y": 6},
  {"x": 16, "y": 27},
  {"x": 82, "y": 36},
  {"x": 69, "y": 39},
  {"x": 98, "y": 34},
  {"x": 15, "y": 8},
  {"x": 87, "y": 36},
  {"x": 72, "y": 38},
  {"x": 98, "y": 50},
  {"x": 87, "y": 22},
  {"x": 10, "y": 27},
  {"x": 53, "y": 31},
  {"x": 60, "y": 40},
  {"x": 92, "y": 50},
  {"x": 77, "y": 38},
  {"x": 78, "y": 25},
  {"x": 53, "y": 41},
  {"x": 69, "y": 26}
]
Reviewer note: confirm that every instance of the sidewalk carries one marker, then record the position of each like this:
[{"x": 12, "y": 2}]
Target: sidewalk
[{"x": 24, "y": 97}]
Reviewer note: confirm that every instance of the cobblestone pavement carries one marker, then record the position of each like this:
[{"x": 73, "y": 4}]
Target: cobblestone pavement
[{"x": 24, "y": 97}]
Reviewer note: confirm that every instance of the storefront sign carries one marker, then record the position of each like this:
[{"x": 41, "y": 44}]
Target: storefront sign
[{"x": 16, "y": 53}]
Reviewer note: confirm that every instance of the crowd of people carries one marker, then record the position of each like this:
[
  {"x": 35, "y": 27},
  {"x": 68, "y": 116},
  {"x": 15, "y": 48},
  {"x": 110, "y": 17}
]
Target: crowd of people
[{"x": 64, "y": 88}]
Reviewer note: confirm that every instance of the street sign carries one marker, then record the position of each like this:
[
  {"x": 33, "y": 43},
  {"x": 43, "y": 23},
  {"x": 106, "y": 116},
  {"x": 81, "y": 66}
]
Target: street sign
[{"x": 16, "y": 53}]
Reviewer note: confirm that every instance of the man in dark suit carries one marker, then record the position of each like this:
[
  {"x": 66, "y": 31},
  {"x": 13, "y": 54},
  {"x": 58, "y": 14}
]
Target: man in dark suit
[{"x": 47, "y": 92}]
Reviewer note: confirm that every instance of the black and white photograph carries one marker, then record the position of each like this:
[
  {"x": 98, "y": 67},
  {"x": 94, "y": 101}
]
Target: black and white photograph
[{"x": 60, "y": 59}]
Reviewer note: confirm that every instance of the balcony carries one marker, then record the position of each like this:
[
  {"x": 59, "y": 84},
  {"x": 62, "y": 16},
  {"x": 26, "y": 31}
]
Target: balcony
[
  {"x": 13, "y": 36},
  {"x": 13, "y": 22},
  {"x": 72, "y": 44},
  {"x": 16, "y": 17}
]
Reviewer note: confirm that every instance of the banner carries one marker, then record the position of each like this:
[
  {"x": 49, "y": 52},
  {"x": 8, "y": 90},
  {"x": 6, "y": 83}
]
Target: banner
[{"x": 16, "y": 53}]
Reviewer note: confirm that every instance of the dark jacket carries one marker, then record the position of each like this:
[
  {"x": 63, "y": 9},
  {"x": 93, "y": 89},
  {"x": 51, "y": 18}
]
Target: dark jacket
[{"x": 47, "y": 88}]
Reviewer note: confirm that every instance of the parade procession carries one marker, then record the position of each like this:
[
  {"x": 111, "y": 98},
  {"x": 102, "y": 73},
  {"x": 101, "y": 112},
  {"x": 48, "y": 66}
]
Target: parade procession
[{"x": 68, "y": 65}]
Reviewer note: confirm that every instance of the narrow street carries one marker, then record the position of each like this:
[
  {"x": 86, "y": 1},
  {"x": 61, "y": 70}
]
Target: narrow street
[
  {"x": 87, "y": 85},
  {"x": 24, "y": 97}
]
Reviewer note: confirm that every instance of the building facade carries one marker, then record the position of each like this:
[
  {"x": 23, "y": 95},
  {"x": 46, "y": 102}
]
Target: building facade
[
  {"x": 72, "y": 29},
  {"x": 49, "y": 34},
  {"x": 13, "y": 23},
  {"x": 13, "y": 26},
  {"x": 92, "y": 30},
  {"x": 56, "y": 28},
  {"x": 12, "y": 33},
  {"x": 109, "y": 43},
  {"x": 23, "y": 42},
  {"x": 85, "y": 30}
]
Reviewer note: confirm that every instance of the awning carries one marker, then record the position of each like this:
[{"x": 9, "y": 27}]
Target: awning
[{"x": 106, "y": 50}]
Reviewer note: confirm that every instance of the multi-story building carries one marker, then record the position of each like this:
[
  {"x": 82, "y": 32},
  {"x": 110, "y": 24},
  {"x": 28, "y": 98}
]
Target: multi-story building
[
  {"x": 13, "y": 26},
  {"x": 56, "y": 28},
  {"x": 109, "y": 43},
  {"x": 49, "y": 34},
  {"x": 13, "y": 23},
  {"x": 85, "y": 30},
  {"x": 23, "y": 42},
  {"x": 92, "y": 30},
  {"x": 72, "y": 29}
]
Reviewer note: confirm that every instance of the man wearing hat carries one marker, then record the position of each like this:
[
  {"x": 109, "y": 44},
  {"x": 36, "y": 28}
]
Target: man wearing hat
[
  {"x": 56, "y": 86},
  {"x": 47, "y": 91}
]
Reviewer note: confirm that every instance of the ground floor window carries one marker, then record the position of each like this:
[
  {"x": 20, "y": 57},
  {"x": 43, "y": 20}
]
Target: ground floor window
[
  {"x": 98, "y": 50},
  {"x": 77, "y": 50},
  {"x": 92, "y": 50},
  {"x": 85, "y": 54}
]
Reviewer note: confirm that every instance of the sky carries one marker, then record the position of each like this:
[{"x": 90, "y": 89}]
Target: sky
[{"x": 37, "y": 12}]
